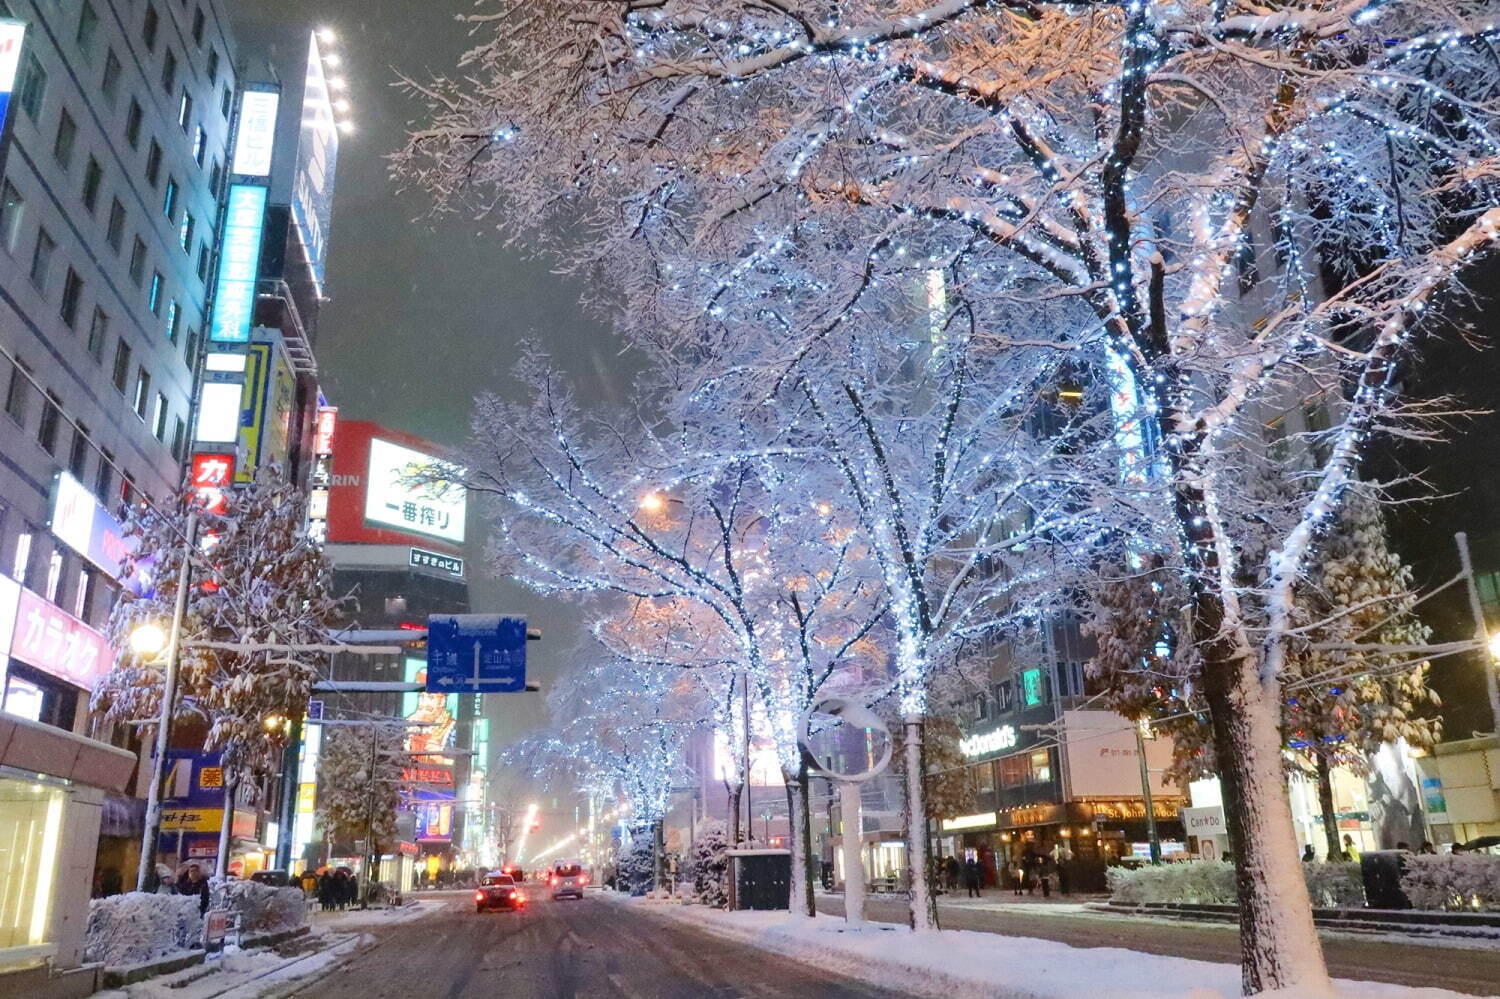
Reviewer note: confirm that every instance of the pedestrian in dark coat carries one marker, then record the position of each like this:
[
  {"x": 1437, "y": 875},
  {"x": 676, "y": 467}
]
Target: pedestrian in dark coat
[
  {"x": 971, "y": 877},
  {"x": 325, "y": 891},
  {"x": 195, "y": 884},
  {"x": 951, "y": 873}
]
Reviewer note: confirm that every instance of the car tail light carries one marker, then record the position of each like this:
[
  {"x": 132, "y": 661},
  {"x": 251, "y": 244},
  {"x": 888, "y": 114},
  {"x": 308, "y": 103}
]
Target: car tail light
[
  {"x": 479, "y": 896},
  {"x": 584, "y": 880},
  {"x": 521, "y": 897}
]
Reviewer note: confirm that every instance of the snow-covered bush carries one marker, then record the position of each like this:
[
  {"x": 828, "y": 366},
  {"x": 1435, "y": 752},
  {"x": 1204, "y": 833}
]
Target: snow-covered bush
[
  {"x": 261, "y": 908},
  {"x": 710, "y": 865},
  {"x": 1199, "y": 881},
  {"x": 635, "y": 865},
  {"x": 1453, "y": 882},
  {"x": 1338, "y": 885},
  {"x": 136, "y": 927}
]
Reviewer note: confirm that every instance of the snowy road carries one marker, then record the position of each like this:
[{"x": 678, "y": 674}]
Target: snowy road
[
  {"x": 1473, "y": 969},
  {"x": 560, "y": 950}
]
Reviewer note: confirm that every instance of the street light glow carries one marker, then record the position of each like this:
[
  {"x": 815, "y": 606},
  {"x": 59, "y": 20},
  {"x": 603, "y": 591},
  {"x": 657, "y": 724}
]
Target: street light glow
[
  {"x": 147, "y": 639},
  {"x": 653, "y": 503},
  {"x": 1495, "y": 645}
]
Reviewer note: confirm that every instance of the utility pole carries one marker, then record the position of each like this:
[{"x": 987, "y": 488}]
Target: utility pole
[
  {"x": 1140, "y": 752},
  {"x": 1481, "y": 631},
  {"x": 151, "y": 835}
]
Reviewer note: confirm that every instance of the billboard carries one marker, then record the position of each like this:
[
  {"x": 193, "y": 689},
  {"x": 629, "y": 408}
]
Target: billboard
[
  {"x": 270, "y": 395},
  {"x": 84, "y": 525},
  {"x": 394, "y": 498},
  {"x": 256, "y": 135},
  {"x": 317, "y": 160},
  {"x": 239, "y": 264},
  {"x": 1103, "y": 758},
  {"x": 56, "y": 642},
  {"x": 373, "y": 501}
]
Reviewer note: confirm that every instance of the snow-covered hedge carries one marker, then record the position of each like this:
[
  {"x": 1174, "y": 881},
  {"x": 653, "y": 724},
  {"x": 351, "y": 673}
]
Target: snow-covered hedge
[
  {"x": 137, "y": 927},
  {"x": 710, "y": 865},
  {"x": 1462, "y": 882},
  {"x": 1336, "y": 885},
  {"x": 262, "y": 908}
]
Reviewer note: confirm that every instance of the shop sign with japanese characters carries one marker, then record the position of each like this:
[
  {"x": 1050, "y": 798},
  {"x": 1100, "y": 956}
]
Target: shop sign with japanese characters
[{"x": 56, "y": 642}]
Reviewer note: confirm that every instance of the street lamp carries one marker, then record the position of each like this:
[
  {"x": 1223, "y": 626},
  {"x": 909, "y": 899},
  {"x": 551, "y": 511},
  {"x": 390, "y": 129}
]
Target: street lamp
[
  {"x": 1495, "y": 646},
  {"x": 653, "y": 503},
  {"x": 147, "y": 640}
]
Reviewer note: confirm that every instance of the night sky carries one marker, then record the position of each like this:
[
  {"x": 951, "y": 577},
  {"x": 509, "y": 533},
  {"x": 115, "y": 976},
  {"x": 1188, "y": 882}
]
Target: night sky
[{"x": 425, "y": 315}]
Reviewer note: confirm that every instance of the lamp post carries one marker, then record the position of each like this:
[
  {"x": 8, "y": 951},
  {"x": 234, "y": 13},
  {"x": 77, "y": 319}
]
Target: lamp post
[{"x": 144, "y": 641}]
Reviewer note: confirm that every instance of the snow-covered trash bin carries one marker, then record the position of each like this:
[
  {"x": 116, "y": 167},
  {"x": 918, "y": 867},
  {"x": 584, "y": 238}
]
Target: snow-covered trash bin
[
  {"x": 137, "y": 927},
  {"x": 1455, "y": 882}
]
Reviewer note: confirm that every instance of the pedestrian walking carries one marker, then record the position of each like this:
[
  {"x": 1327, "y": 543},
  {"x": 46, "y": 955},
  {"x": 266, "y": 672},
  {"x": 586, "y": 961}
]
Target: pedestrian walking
[
  {"x": 1350, "y": 853},
  {"x": 952, "y": 872},
  {"x": 195, "y": 884},
  {"x": 971, "y": 878}
]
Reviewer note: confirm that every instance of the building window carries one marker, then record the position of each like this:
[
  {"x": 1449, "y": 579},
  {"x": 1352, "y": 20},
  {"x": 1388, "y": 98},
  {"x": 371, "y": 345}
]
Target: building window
[
  {"x": 88, "y": 28},
  {"x": 41, "y": 258},
  {"x": 169, "y": 200},
  {"x": 1005, "y": 695},
  {"x": 153, "y": 297},
  {"x": 115, "y": 233},
  {"x": 169, "y": 73},
  {"x": 185, "y": 232},
  {"x": 185, "y": 111},
  {"x": 133, "y": 119},
  {"x": 16, "y": 393},
  {"x": 12, "y": 208},
  {"x": 174, "y": 320},
  {"x": 33, "y": 87},
  {"x": 159, "y": 418},
  {"x": 190, "y": 354},
  {"x": 105, "y": 478},
  {"x": 197, "y": 25},
  {"x": 121, "y": 374},
  {"x": 153, "y": 163},
  {"x": 148, "y": 30},
  {"x": 200, "y": 144},
  {"x": 179, "y": 440},
  {"x": 54, "y": 574},
  {"x": 20, "y": 564},
  {"x": 98, "y": 333},
  {"x": 1013, "y": 771},
  {"x": 72, "y": 298},
  {"x": 111, "y": 83},
  {"x": 93, "y": 179},
  {"x": 138, "y": 261},
  {"x": 215, "y": 178},
  {"x": 1041, "y": 766},
  {"x": 67, "y": 138},
  {"x": 78, "y": 454},
  {"x": 226, "y": 98},
  {"x": 46, "y": 431},
  {"x": 127, "y": 489},
  {"x": 142, "y": 392},
  {"x": 203, "y": 258},
  {"x": 81, "y": 595},
  {"x": 213, "y": 66}
]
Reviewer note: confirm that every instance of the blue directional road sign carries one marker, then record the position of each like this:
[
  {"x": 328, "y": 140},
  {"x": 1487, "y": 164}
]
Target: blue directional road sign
[{"x": 476, "y": 654}]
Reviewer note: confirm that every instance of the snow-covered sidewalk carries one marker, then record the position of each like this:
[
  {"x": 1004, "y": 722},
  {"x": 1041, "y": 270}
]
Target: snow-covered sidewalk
[
  {"x": 257, "y": 973},
  {"x": 962, "y": 964}
]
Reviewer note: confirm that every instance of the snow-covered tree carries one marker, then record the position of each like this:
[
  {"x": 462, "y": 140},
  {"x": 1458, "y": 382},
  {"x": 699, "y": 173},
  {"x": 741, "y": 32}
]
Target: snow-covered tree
[
  {"x": 359, "y": 775},
  {"x": 1354, "y": 679},
  {"x": 1245, "y": 205},
  {"x": 257, "y": 583},
  {"x": 711, "y": 865}
]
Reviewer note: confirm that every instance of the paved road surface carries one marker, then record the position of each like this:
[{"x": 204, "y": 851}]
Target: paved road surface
[
  {"x": 559, "y": 950},
  {"x": 1471, "y": 970}
]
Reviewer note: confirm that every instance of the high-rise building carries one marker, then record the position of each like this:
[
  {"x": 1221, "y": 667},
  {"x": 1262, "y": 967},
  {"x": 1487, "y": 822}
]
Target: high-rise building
[
  {"x": 115, "y": 154},
  {"x": 117, "y": 121}
]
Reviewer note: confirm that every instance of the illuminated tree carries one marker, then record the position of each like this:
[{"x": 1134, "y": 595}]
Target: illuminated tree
[{"x": 1209, "y": 207}]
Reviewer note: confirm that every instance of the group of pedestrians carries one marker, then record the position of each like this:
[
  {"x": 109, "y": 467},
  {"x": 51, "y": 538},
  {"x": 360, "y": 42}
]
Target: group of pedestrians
[
  {"x": 1027, "y": 874},
  {"x": 334, "y": 889}
]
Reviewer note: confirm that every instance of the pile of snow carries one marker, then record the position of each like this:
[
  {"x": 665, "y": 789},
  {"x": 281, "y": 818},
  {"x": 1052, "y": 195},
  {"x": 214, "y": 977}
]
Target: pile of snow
[
  {"x": 137, "y": 927},
  {"x": 1455, "y": 882},
  {"x": 1337, "y": 885},
  {"x": 962, "y": 964},
  {"x": 261, "y": 908}
]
